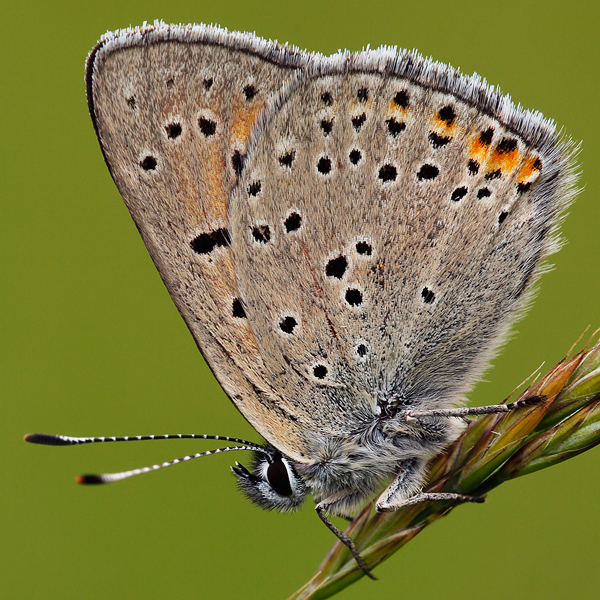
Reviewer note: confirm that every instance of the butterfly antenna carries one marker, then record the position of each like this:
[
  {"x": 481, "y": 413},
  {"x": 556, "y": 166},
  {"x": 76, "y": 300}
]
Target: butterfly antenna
[
  {"x": 110, "y": 477},
  {"x": 65, "y": 440},
  {"x": 49, "y": 439}
]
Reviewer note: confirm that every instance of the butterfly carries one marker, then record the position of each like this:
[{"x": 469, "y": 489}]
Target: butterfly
[{"x": 348, "y": 239}]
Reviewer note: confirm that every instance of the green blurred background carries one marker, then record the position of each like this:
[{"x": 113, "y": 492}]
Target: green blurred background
[{"x": 92, "y": 344}]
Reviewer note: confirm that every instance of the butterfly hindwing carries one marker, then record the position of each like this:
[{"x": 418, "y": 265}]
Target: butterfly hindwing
[{"x": 386, "y": 234}]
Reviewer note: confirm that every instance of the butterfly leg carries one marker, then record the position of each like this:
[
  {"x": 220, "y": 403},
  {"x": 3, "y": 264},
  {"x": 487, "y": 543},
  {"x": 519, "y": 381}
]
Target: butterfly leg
[
  {"x": 474, "y": 410},
  {"x": 326, "y": 506},
  {"x": 405, "y": 490}
]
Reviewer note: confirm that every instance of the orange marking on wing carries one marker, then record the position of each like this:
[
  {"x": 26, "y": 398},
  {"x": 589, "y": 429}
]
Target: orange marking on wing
[
  {"x": 242, "y": 120},
  {"x": 216, "y": 197},
  {"x": 530, "y": 171},
  {"x": 505, "y": 161},
  {"x": 478, "y": 151},
  {"x": 201, "y": 180}
]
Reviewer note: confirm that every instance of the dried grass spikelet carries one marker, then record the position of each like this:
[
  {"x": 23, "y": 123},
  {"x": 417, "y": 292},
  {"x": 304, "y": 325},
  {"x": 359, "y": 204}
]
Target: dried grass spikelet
[{"x": 493, "y": 449}]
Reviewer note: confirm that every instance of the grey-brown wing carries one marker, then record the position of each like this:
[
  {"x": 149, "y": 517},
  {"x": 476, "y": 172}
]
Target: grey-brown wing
[
  {"x": 389, "y": 223},
  {"x": 173, "y": 108}
]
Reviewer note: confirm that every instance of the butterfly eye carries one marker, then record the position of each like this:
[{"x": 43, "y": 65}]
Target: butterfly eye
[
  {"x": 272, "y": 483},
  {"x": 279, "y": 480}
]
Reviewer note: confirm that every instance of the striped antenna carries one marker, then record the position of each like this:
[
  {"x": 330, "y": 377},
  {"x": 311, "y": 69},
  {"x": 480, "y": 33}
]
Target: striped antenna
[
  {"x": 65, "y": 440},
  {"x": 49, "y": 439},
  {"x": 110, "y": 477}
]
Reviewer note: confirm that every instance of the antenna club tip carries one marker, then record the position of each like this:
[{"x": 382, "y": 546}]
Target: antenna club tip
[
  {"x": 45, "y": 438},
  {"x": 89, "y": 479}
]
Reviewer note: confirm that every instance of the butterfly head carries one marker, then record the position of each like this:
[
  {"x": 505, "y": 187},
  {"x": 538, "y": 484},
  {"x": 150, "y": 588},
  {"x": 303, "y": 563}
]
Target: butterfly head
[{"x": 272, "y": 483}]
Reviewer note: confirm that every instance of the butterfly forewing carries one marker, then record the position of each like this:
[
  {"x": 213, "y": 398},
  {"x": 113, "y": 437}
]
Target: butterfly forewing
[
  {"x": 422, "y": 217},
  {"x": 173, "y": 108}
]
